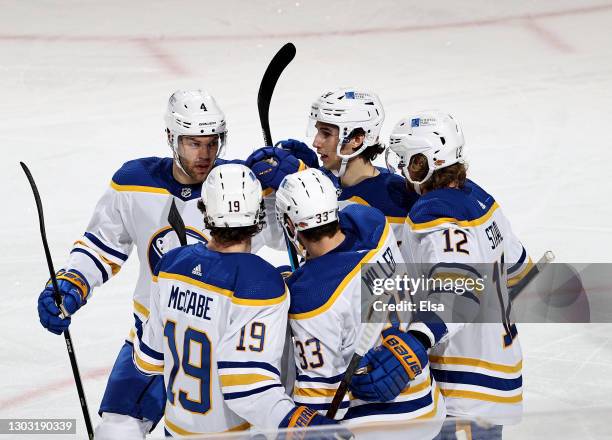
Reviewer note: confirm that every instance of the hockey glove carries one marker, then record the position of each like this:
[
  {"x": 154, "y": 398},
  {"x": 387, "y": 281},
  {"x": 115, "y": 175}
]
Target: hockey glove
[
  {"x": 396, "y": 362},
  {"x": 73, "y": 288},
  {"x": 301, "y": 151},
  {"x": 271, "y": 165},
  {"x": 219, "y": 161},
  {"x": 304, "y": 417}
]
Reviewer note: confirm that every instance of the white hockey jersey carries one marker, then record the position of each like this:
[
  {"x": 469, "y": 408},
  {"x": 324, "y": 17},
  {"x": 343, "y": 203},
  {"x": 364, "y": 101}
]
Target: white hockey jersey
[
  {"x": 325, "y": 316},
  {"x": 216, "y": 331},
  {"x": 133, "y": 212},
  {"x": 458, "y": 233}
]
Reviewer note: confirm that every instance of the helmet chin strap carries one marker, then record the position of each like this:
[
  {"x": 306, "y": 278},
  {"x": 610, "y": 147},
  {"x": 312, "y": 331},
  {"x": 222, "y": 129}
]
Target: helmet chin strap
[
  {"x": 417, "y": 188},
  {"x": 339, "y": 173}
]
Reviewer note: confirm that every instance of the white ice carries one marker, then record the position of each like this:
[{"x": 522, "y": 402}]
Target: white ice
[{"x": 84, "y": 86}]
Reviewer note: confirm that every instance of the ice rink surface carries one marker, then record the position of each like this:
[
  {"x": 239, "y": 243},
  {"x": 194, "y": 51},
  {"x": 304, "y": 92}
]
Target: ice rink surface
[{"x": 84, "y": 88}]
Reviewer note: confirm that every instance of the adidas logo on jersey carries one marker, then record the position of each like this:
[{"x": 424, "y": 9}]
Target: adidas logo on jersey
[{"x": 197, "y": 270}]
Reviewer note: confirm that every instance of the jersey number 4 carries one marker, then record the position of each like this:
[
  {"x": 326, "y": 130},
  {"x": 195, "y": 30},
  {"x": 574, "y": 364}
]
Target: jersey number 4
[{"x": 198, "y": 369}]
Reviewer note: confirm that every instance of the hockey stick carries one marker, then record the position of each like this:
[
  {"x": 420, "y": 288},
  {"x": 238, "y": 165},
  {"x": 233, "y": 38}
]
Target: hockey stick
[
  {"x": 516, "y": 290},
  {"x": 58, "y": 301},
  {"x": 268, "y": 82},
  {"x": 371, "y": 332},
  {"x": 176, "y": 221},
  {"x": 368, "y": 335}
]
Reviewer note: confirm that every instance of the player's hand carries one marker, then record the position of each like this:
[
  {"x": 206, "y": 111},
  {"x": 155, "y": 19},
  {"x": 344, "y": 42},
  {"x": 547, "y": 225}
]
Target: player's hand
[
  {"x": 73, "y": 289},
  {"x": 271, "y": 165},
  {"x": 392, "y": 365},
  {"x": 285, "y": 271},
  {"x": 304, "y": 417},
  {"x": 301, "y": 151}
]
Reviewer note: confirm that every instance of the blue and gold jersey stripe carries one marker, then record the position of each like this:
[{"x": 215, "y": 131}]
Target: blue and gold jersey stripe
[
  {"x": 138, "y": 188},
  {"x": 461, "y": 223},
  {"x": 332, "y": 299},
  {"x": 223, "y": 292}
]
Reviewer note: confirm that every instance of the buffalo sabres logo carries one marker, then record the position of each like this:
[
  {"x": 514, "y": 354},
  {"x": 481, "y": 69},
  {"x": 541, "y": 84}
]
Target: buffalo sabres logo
[
  {"x": 165, "y": 239},
  {"x": 186, "y": 192}
]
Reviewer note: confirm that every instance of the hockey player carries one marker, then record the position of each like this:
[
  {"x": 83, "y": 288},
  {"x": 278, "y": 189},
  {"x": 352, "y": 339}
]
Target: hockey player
[
  {"x": 325, "y": 311},
  {"x": 133, "y": 211},
  {"x": 217, "y": 323},
  {"x": 456, "y": 229},
  {"x": 345, "y": 124}
]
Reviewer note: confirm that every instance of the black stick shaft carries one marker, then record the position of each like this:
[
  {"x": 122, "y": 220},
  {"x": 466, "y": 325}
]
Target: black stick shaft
[
  {"x": 176, "y": 222},
  {"x": 264, "y": 97},
  {"x": 343, "y": 387},
  {"x": 58, "y": 301}
]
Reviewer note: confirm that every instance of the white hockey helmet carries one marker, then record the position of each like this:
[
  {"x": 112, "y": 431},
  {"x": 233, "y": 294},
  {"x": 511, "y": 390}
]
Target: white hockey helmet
[
  {"x": 432, "y": 133},
  {"x": 348, "y": 109},
  {"x": 232, "y": 197},
  {"x": 309, "y": 199},
  {"x": 193, "y": 113}
]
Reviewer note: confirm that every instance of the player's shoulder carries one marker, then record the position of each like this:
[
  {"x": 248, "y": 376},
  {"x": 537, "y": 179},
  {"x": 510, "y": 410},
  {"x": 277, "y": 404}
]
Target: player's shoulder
[
  {"x": 175, "y": 260},
  {"x": 316, "y": 285},
  {"x": 367, "y": 225},
  {"x": 247, "y": 278},
  {"x": 149, "y": 172},
  {"x": 257, "y": 281},
  {"x": 468, "y": 206},
  {"x": 385, "y": 191}
]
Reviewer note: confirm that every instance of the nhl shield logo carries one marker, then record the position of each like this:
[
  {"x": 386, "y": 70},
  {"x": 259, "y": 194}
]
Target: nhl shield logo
[{"x": 186, "y": 192}]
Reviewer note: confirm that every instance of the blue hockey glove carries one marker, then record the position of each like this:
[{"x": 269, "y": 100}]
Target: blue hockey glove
[
  {"x": 304, "y": 417},
  {"x": 271, "y": 165},
  {"x": 219, "y": 161},
  {"x": 396, "y": 362},
  {"x": 301, "y": 151},
  {"x": 73, "y": 288}
]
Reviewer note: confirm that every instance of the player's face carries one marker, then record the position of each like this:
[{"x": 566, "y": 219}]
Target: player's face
[
  {"x": 326, "y": 142},
  {"x": 198, "y": 154}
]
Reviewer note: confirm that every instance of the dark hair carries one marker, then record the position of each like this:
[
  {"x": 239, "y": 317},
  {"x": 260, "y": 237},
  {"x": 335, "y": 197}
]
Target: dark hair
[
  {"x": 442, "y": 178},
  {"x": 318, "y": 233},
  {"x": 227, "y": 236},
  {"x": 371, "y": 152}
]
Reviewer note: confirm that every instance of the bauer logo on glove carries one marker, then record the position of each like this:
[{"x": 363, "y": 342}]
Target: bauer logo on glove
[{"x": 404, "y": 354}]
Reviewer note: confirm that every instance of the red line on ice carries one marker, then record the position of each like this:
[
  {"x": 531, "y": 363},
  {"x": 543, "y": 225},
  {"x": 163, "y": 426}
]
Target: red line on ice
[
  {"x": 287, "y": 35},
  {"x": 37, "y": 393},
  {"x": 551, "y": 38},
  {"x": 162, "y": 56}
]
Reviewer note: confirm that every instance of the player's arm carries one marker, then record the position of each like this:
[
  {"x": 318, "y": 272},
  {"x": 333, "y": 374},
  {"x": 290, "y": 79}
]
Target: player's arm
[
  {"x": 447, "y": 254},
  {"x": 249, "y": 360},
  {"x": 148, "y": 352},
  {"x": 106, "y": 243},
  {"x": 517, "y": 261},
  {"x": 403, "y": 355},
  {"x": 94, "y": 258},
  {"x": 271, "y": 165}
]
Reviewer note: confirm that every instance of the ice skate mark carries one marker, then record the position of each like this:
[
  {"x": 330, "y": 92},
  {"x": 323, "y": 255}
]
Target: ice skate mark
[
  {"x": 50, "y": 388},
  {"x": 551, "y": 38},
  {"x": 307, "y": 34}
]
